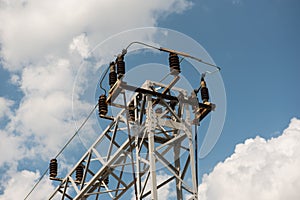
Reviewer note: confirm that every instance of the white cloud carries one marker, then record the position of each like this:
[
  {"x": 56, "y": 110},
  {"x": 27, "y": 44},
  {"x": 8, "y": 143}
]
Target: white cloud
[
  {"x": 32, "y": 29},
  {"x": 5, "y": 105},
  {"x": 44, "y": 116},
  {"x": 80, "y": 44},
  {"x": 167, "y": 191},
  {"x": 9, "y": 146},
  {"x": 259, "y": 169},
  {"x": 15, "y": 80},
  {"x": 21, "y": 182},
  {"x": 164, "y": 193}
]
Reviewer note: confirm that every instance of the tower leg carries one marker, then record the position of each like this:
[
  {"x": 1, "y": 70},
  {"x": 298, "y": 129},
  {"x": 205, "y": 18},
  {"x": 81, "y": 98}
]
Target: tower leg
[
  {"x": 151, "y": 131},
  {"x": 193, "y": 168},
  {"x": 177, "y": 166}
]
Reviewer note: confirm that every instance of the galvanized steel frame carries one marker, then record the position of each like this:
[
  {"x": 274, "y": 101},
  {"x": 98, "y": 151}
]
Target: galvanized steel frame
[{"x": 138, "y": 146}]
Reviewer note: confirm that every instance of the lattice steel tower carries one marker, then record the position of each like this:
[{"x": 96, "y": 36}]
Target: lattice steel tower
[{"x": 149, "y": 139}]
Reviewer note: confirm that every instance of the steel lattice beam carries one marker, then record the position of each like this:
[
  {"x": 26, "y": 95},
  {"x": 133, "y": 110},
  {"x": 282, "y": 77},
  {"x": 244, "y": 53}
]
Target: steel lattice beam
[{"x": 137, "y": 143}]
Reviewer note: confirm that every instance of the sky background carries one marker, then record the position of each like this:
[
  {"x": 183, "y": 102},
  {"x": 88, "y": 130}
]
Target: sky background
[{"x": 256, "y": 43}]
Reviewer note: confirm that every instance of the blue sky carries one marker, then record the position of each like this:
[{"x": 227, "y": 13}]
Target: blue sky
[{"x": 256, "y": 43}]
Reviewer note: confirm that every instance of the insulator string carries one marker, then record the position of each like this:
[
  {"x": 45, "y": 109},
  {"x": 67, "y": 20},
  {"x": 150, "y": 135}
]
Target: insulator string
[{"x": 45, "y": 172}]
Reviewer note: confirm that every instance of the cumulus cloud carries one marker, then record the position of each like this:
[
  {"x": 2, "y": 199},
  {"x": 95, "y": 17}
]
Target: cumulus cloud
[
  {"x": 31, "y": 29},
  {"x": 259, "y": 169},
  {"x": 80, "y": 44},
  {"x": 5, "y": 105},
  {"x": 164, "y": 193},
  {"x": 44, "y": 117},
  {"x": 9, "y": 144},
  {"x": 21, "y": 182},
  {"x": 167, "y": 191}
]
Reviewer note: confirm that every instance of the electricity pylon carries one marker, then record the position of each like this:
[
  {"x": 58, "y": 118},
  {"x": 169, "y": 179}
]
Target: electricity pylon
[{"x": 151, "y": 136}]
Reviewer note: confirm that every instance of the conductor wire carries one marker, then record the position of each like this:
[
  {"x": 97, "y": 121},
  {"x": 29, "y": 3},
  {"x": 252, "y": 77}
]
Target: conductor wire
[
  {"x": 102, "y": 78},
  {"x": 170, "y": 51},
  {"x": 76, "y": 133},
  {"x": 141, "y": 43}
]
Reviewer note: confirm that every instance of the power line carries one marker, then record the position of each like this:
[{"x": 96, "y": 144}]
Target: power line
[{"x": 76, "y": 133}]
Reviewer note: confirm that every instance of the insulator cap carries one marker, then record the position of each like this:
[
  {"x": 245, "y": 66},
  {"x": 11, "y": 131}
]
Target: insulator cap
[
  {"x": 204, "y": 91},
  {"x": 102, "y": 105},
  {"x": 204, "y": 94},
  {"x": 120, "y": 66},
  {"x": 173, "y": 104},
  {"x": 112, "y": 74},
  {"x": 131, "y": 111},
  {"x": 53, "y": 168},
  {"x": 174, "y": 63},
  {"x": 203, "y": 83},
  {"x": 106, "y": 180},
  {"x": 79, "y": 173}
]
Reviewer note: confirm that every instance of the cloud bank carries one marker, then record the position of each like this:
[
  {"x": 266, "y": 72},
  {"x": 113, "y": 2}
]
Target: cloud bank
[
  {"x": 259, "y": 169},
  {"x": 31, "y": 29}
]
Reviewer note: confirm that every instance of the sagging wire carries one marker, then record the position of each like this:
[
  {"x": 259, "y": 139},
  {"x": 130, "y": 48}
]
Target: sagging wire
[
  {"x": 188, "y": 56},
  {"x": 164, "y": 78},
  {"x": 124, "y": 51},
  {"x": 102, "y": 78},
  {"x": 141, "y": 43},
  {"x": 208, "y": 72},
  {"x": 68, "y": 142},
  {"x": 183, "y": 54}
]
